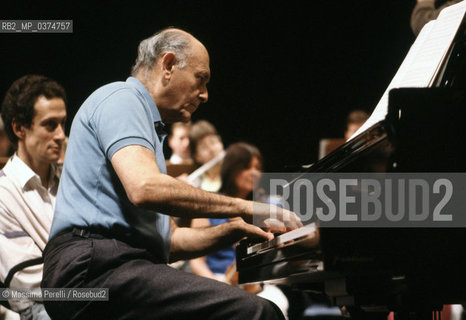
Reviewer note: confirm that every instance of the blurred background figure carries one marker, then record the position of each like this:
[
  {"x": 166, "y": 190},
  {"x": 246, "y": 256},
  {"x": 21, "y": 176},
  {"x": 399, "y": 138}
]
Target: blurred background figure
[
  {"x": 240, "y": 173},
  {"x": 179, "y": 165},
  {"x": 424, "y": 11},
  {"x": 206, "y": 144},
  {"x": 242, "y": 163},
  {"x": 6, "y": 147},
  {"x": 178, "y": 141},
  {"x": 354, "y": 121}
]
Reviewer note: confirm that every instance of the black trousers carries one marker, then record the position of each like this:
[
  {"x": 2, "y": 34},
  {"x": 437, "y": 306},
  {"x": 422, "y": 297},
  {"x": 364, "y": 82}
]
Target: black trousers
[{"x": 139, "y": 286}]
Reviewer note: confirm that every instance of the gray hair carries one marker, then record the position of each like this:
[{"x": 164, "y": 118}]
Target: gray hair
[
  {"x": 2, "y": 127},
  {"x": 167, "y": 40}
]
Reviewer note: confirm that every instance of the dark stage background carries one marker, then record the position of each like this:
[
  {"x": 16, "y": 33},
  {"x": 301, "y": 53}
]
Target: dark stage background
[{"x": 284, "y": 73}]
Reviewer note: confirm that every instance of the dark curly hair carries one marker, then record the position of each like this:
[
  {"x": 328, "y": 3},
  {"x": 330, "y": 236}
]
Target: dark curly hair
[
  {"x": 18, "y": 104},
  {"x": 238, "y": 157}
]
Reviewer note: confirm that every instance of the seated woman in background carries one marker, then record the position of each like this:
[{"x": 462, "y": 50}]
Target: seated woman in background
[
  {"x": 241, "y": 168},
  {"x": 241, "y": 164}
]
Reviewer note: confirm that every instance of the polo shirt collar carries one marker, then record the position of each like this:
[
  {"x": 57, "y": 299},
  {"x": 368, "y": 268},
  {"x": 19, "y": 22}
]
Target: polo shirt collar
[{"x": 135, "y": 83}]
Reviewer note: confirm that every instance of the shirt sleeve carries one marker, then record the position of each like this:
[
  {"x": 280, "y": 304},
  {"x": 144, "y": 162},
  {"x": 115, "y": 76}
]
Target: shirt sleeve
[{"x": 122, "y": 120}]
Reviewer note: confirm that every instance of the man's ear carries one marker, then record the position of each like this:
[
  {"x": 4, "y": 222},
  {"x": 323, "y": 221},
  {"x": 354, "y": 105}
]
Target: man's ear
[
  {"x": 18, "y": 129},
  {"x": 168, "y": 62}
]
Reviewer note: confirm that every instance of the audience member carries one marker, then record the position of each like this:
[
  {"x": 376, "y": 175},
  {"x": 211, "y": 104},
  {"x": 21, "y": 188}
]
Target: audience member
[
  {"x": 354, "y": 121},
  {"x": 34, "y": 115},
  {"x": 206, "y": 144},
  {"x": 178, "y": 141}
]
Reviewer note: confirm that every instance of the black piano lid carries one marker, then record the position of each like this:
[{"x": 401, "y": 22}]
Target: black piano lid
[{"x": 423, "y": 131}]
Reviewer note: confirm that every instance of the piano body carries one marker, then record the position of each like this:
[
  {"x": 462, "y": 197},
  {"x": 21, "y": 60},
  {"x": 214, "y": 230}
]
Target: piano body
[{"x": 372, "y": 271}]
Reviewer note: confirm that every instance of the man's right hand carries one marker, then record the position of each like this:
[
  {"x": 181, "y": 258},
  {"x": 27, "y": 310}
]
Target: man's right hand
[
  {"x": 273, "y": 219},
  {"x": 244, "y": 229}
]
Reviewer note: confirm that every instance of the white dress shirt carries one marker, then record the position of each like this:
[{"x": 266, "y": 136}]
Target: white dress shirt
[{"x": 26, "y": 212}]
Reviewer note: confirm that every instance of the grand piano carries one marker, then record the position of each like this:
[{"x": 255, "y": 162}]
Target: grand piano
[{"x": 372, "y": 271}]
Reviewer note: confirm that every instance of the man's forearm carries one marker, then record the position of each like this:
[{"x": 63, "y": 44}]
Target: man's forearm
[
  {"x": 147, "y": 187},
  {"x": 168, "y": 195},
  {"x": 189, "y": 243}
]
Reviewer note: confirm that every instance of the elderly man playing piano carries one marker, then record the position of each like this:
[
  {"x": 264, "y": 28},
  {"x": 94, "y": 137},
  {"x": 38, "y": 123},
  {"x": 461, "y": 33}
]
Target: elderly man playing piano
[{"x": 112, "y": 227}]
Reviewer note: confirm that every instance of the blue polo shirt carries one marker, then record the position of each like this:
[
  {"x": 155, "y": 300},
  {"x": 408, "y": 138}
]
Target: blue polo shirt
[{"x": 90, "y": 195}]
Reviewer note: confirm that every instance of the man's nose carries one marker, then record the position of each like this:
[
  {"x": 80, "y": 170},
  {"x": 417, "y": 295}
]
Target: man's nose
[
  {"x": 60, "y": 132},
  {"x": 204, "y": 95}
]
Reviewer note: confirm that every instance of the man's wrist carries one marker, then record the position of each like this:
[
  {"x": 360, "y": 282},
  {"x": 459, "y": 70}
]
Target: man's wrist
[{"x": 244, "y": 209}]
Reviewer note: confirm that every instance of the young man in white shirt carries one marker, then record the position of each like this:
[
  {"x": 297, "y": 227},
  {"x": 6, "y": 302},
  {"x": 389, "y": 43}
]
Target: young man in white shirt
[{"x": 34, "y": 116}]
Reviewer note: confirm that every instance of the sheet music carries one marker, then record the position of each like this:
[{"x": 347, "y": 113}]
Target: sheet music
[{"x": 422, "y": 63}]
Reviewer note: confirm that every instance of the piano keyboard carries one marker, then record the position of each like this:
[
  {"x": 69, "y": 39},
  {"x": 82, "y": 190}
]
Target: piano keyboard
[{"x": 283, "y": 238}]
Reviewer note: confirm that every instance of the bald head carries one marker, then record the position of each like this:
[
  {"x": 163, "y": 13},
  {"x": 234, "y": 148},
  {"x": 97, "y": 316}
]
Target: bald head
[
  {"x": 153, "y": 48},
  {"x": 174, "y": 68}
]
